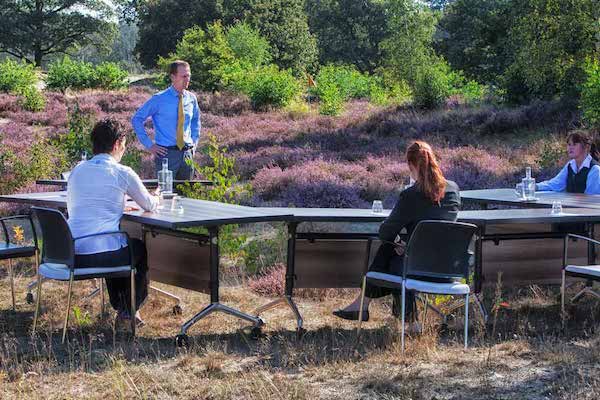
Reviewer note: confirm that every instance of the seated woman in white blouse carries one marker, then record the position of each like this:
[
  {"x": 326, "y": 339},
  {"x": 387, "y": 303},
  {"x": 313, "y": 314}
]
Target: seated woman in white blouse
[
  {"x": 582, "y": 173},
  {"x": 95, "y": 201}
]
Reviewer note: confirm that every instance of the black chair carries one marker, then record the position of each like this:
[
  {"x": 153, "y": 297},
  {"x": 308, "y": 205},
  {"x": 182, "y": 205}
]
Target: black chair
[
  {"x": 17, "y": 247},
  {"x": 590, "y": 272},
  {"x": 435, "y": 260},
  {"x": 58, "y": 261}
]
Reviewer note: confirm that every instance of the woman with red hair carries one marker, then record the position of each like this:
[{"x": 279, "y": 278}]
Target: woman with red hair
[{"x": 431, "y": 197}]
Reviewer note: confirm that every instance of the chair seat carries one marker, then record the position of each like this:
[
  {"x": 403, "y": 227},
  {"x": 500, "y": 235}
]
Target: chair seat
[
  {"x": 591, "y": 270},
  {"x": 12, "y": 251},
  {"x": 390, "y": 280},
  {"x": 455, "y": 288},
  {"x": 60, "y": 272}
]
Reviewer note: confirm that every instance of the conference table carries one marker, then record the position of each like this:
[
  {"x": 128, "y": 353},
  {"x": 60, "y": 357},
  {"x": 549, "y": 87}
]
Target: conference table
[
  {"x": 177, "y": 256},
  {"x": 321, "y": 256},
  {"x": 508, "y": 197},
  {"x": 320, "y": 253}
]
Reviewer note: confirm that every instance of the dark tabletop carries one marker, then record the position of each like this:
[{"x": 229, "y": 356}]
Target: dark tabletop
[{"x": 544, "y": 199}]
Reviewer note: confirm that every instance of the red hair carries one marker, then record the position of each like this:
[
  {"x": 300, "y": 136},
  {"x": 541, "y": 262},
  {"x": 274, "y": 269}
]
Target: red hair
[{"x": 430, "y": 178}]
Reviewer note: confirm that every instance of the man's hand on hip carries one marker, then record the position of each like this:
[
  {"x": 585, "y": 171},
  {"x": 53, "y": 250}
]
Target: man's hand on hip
[{"x": 158, "y": 151}]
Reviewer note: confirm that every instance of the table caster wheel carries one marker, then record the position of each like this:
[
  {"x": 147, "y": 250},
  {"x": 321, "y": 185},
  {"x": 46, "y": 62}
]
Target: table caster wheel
[
  {"x": 177, "y": 309},
  {"x": 29, "y": 298},
  {"x": 182, "y": 341},
  {"x": 255, "y": 333}
]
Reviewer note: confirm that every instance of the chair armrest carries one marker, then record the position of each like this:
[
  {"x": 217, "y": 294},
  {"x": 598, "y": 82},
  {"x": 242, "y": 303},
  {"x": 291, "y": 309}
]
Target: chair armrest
[
  {"x": 587, "y": 239},
  {"x": 24, "y": 216}
]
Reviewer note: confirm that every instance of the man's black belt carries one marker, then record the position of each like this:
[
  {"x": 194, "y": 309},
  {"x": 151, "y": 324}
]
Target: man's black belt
[{"x": 185, "y": 147}]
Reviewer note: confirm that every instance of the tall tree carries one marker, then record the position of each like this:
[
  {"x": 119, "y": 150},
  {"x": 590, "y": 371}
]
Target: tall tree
[
  {"x": 34, "y": 29},
  {"x": 348, "y": 31}
]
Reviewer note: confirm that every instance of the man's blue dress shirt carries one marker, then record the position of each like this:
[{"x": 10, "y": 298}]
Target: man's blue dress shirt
[{"x": 162, "y": 108}]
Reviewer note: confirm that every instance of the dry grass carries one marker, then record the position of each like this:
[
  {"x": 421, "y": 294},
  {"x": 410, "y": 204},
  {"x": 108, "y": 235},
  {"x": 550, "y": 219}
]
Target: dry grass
[{"x": 529, "y": 356}]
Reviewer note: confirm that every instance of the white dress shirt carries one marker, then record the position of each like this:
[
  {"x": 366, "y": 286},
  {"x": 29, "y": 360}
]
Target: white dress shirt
[
  {"x": 96, "y": 192},
  {"x": 559, "y": 182}
]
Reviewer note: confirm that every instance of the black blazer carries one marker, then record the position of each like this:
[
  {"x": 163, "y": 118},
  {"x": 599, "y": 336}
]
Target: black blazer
[{"x": 412, "y": 206}]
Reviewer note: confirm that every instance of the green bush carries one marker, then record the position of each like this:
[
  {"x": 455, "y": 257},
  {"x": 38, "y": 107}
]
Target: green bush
[
  {"x": 270, "y": 86},
  {"x": 331, "y": 99},
  {"x": 248, "y": 45},
  {"x": 32, "y": 99},
  {"x": 590, "y": 94},
  {"x": 350, "y": 82},
  {"x": 15, "y": 76},
  {"x": 432, "y": 87},
  {"x": 109, "y": 76},
  {"x": 77, "y": 139},
  {"x": 70, "y": 74}
]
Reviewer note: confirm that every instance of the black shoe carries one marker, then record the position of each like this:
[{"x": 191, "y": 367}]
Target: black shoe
[{"x": 351, "y": 315}]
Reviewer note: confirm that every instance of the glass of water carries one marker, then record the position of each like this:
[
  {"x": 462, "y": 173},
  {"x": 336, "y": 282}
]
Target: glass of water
[
  {"x": 556, "y": 208},
  {"x": 377, "y": 207},
  {"x": 519, "y": 191},
  {"x": 176, "y": 205}
]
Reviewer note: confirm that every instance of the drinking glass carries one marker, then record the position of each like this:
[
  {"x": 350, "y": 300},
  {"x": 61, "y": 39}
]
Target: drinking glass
[
  {"x": 377, "y": 207},
  {"x": 519, "y": 191},
  {"x": 176, "y": 205},
  {"x": 556, "y": 208}
]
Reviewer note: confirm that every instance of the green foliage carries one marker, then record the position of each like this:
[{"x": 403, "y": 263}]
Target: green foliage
[
  {"x": 14, "y": 76},
  {"x": 590, "y": 93},
  {"x": 66, "y": 74},
  {"x": 331, "y": 99},
  {"x": 248, "y": 46},
  {"x": 32, "y": 30},
  {"x": 32, "y": 99},
  {"x": 82, "y": 318},
  {"x": 42, "y": 160},
  {"x": 206, "y": 52},
  {"x": 348, "y": 31},
  {"x": 270, "y": 86},
  {"x": 408, "y": 47},
  {"x": 77, "y": 139},
  {"x": 264, "y": 252},
  {"x": 110, "y": 76},
  {"x": 432, "y": 87},
  {"x": 552, "y": 152},
  {"x": 284, "y": 23},
  {"x": 226, "y": 188}
]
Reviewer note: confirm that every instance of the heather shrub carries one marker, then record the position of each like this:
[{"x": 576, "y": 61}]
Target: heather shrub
[
  {"x": 590, "y": 94},
  {"x": 552, "y": 153},
  {"x": 270, "y": 282},
  {"x": 109, "y": 76},
  {"x": 66, "y": 74},
  {"x": 224, "y": 103},
  {"x": 15, "y": 76}
]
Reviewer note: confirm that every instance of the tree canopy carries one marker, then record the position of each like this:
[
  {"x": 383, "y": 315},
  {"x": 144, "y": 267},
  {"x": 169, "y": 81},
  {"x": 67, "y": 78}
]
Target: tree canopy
[{"x": 34, "y": 29}]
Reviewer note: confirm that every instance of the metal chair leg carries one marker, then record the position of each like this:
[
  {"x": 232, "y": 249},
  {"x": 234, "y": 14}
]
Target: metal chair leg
[
  {"x": 362, "y": 302},
  {"x": 562, "y": 297},
  {"x": 102, "y": 305},
  {"x": 71, "y": 278},
  {"x": 466, "y": 320},
  {"x": 37, "y": 301},
  {"x": 133, "y": 305},
  {"x": 402, "y": 309},
  {"x": 12, "y": 283}
]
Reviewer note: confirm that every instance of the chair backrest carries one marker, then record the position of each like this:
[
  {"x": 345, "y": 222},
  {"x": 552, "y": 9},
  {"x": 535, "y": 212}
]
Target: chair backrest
[
  {"x": 439, "y": 250},
  {"x": 57, "y": 241}
]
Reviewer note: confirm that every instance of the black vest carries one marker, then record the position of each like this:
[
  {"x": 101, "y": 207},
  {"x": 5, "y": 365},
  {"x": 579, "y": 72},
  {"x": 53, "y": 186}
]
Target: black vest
[{"x": 577, "y": 182}]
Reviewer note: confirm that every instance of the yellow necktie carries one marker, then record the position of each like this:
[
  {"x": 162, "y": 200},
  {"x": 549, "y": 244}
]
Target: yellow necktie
[{"x": 180, "y": 119}]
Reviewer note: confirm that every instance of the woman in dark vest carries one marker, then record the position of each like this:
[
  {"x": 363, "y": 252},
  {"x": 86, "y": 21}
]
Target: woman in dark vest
[
  {"x": 582, "y": 173},
  {"x": 431, "y": 197}
]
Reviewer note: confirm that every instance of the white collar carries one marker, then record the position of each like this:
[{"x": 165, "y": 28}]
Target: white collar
[
  {"x": 585, "y": 164},
  {"x": 104, "y": 157}
]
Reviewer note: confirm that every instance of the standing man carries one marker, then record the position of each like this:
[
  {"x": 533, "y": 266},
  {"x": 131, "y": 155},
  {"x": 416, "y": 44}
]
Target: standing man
[{"x": 176, "y": 118}]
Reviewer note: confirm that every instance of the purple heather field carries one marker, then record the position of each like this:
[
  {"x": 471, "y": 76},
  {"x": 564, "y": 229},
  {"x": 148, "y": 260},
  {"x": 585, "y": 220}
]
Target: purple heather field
[{"x": 310, "y": 160}]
